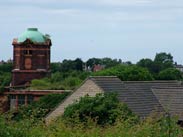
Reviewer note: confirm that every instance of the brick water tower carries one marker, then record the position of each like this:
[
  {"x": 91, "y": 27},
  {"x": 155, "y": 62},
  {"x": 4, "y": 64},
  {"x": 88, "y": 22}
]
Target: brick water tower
[{"x": 31, "y": 57}]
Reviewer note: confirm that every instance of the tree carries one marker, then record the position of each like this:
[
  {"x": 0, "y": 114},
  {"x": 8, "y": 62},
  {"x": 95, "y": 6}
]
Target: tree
[
  {"x": 108, "y": 62},
  {"x": 163, "y": 57},
  {"x": 93, "y": 61},
  {"x": 55, "y": 67},
  {"x": 79, "y": 64},
  {"x": 127, "y": 73},
  {"x": 7, "y": 67},
  {"x": 163, "y": 61},
  {"x": 146, "y": 63},
  {"x": 170, "y": 74},
  {"x": 68, "y": 65}
]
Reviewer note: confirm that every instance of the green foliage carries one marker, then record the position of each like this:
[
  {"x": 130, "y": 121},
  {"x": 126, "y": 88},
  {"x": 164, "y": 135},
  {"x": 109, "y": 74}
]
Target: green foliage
[
  {"x": 127, "y": 73},
  {"x": 158, "y": 126},
  {"x": 66, "y": 80},
  {"x": 55, "y": 67},
  {"x": 163, "y": 58},
  {"x": 71, "y": 82},
  {"x": 5, "y": 75},
  {"x": 7, "y": 67},
  {"x": 146, "y": 63},
  {"x": 107, "y": 62},
  {"x": 170, "y": 74},
  {"x": 9, "y": 131},
  {"x": 5, "y": 79},
  {"x": 39, "y": 109},
  {"x": 70, "y": 65},
  {"x": 104, "y": 109},
  {"x": 40, "y": 84},
  {"x": 161, "y": 62}
]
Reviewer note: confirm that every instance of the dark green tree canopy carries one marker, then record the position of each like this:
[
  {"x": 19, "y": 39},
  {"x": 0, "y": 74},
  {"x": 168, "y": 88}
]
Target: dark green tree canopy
[
  {"x": 146, "y": 63},
  {"x": 127, "y": 73},
  {"x": 163, "y": 57},
  {"x": 107, "y": 62},
  {"x": 161, "y": 62},
  {"x": 170, "y": 74}
]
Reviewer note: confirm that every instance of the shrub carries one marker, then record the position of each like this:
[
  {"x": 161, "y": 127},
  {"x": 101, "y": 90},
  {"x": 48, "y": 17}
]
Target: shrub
[
  {"x": 39, "y": 109},
  {"x": 71, "y": 82},
  {"x": 103, "y": 108}
]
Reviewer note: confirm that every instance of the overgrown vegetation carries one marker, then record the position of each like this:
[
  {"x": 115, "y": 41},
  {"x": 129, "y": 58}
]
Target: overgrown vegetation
[
  {"x": 104, "y": 109},
  {"x": 58, "y": 80},
  {"x": 38, "y": 110},
  {"x": 102, "y": 115},
  {"x": 5, "y": 75}
]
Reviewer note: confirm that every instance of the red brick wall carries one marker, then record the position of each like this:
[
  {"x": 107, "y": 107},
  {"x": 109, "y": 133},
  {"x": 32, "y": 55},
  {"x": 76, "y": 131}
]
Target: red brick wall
[
  {"x": 31, "y": 61},
  {"x": 21, "y": 78}
]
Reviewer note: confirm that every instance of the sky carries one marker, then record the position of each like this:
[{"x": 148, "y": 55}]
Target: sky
[{"x": 125, "y": 29}]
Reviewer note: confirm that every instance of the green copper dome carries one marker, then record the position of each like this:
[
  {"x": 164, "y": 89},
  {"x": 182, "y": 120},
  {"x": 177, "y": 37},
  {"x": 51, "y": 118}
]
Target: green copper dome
[{"x": 33, "y": 34}]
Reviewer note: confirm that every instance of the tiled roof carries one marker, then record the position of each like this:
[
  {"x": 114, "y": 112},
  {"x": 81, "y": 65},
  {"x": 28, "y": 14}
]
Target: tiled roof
[
  {"x": 140, "y": 98},
  {"x": 108, "y": 83},
  {"x": 137, "y": 95},
  {"x": 171, "y": 99}
]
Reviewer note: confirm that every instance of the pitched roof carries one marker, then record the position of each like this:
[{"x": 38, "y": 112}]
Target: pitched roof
[
  {"x": 140, "y": 98},
  {"x": 108, "y": 83},
  {"x": 171, "y": 99},
  {"x": 137, "y": 95}
]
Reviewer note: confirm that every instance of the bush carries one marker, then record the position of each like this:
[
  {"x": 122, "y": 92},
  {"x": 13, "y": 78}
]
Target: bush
[
  {"x": 170, "y": 74},
  {"x": 62, "y": 81},
  {"x": 40, "y": 84},
  {"x": 103, "y": 108},
  {"x": 39, "y": 109},
  {"x": 71, "y": 82}
]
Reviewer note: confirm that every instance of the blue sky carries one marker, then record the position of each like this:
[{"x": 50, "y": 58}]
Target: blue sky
[{"x": 126, "y": 29}]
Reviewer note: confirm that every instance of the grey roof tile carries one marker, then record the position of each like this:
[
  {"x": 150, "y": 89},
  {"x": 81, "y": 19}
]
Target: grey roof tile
[
  {"x": 138, "y": 95},
  {"x": 171, "y": 99}
]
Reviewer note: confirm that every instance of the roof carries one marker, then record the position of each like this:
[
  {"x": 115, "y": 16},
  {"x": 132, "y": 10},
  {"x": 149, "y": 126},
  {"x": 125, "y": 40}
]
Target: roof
[
  {"x": 33, "y": 34},
  {"x": 140, "y": 98},
  {"x": 108, "y": 83},
  {"x": 137, "y": 95},
  {"x": 171, "y": 99}
]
